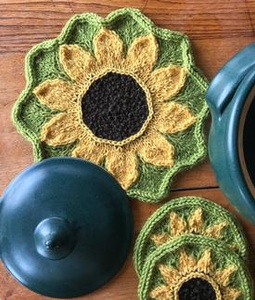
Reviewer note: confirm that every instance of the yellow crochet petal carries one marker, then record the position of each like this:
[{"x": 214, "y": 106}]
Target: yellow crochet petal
[
  {"x": 160, "y": 239},
  {"x": 169, "y": 274},
  {"x": 108, "y": 48},
  {"x": 177, "y": 225},
  {"x": 196, "y": 222},
  {"x": 186, "y": 262},
  {"x": 60, "y": 130},
  {"x": 90, "y": 150},
  {"x": 205, "y": 263},
  {"x": 231, "y": 293},
  {"x": 56, "y": 94},
  {"x": 165, "y": 83},
  {"x": 156, "y": 150},
  {"x": 174, "y": 117},
  {"x": 160, "y": 293},
  {"x": 77, "y": 62},
  {"x": 222, "y": 277},
  {"x": 215, "y": 230},
  {"x": 142, "y": 55},
  {"x": 123, "y": 165}
]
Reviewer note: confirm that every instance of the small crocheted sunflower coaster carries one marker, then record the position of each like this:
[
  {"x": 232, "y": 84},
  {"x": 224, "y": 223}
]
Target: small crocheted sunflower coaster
[
  {"x": 195, "y": 267},
  {"x": 119, "y": 92},
  {"x": 188, "y": 215}
]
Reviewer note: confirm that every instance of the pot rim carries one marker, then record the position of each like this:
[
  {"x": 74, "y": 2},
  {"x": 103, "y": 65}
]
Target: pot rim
[{"x": 241, "y": 102}]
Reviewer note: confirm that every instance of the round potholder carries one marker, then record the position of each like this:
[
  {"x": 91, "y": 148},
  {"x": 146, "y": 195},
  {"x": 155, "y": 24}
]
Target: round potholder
[
  {"x": 120, "y": 92},
  {"x": 188, "y": 215},
  {"x": 194, "y": 267}
]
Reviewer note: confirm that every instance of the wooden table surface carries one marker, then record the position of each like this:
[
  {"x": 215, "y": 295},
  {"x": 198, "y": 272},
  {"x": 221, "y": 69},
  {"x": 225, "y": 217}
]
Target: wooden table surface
[{"x": 217, "y": 30}]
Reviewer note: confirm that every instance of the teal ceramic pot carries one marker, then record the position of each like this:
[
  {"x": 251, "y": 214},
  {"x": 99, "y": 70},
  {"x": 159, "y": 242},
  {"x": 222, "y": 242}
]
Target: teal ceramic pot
[
  {"x": 231, "y": 98},
  {"x": 66, "y": 227}
]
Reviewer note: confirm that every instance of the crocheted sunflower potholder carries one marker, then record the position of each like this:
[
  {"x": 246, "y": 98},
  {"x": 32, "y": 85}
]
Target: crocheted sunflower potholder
[
  {"x": 188, "y": 215},
  {"x": 119, "y": 92},
  {"x": 195, "y": 267}
]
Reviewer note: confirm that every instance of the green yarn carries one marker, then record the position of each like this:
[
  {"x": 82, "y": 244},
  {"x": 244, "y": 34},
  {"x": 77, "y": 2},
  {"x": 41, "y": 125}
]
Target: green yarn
[
  {"x": 212, "y": 214},
  {"x": 195, "y": 246},
  {"x": 43, "y": 63}
]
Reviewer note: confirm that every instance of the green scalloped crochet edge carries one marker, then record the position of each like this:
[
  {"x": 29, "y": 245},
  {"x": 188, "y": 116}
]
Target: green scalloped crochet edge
[
  {"x": 195, "y": 245},
  {"x": 154, "y": 182},
  {"x": 184, "y": 206}
]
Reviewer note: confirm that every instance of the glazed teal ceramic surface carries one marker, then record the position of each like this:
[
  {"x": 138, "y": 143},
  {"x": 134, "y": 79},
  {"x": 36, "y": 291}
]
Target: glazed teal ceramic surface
[
  {"x": 65, "y": 227},
  {"x": 231, "y": 98}
]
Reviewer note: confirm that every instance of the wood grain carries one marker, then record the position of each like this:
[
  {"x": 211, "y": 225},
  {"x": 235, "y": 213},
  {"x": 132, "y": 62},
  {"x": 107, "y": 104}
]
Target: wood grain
[{"x": 217, "y": 30}]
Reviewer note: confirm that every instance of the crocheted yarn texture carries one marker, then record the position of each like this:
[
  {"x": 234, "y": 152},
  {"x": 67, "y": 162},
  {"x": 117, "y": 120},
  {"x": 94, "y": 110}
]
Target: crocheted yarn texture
[
  {"x": 195, "y": 268},
  {"x": 119, "y": 92},
  {"x": 188, "y": 215},
  {"x": 192, "y": 249}
]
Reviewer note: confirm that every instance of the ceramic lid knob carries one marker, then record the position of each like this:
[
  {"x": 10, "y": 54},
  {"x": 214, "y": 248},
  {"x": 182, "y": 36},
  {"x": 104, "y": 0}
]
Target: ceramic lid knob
[{"x": 54, "y": 238}]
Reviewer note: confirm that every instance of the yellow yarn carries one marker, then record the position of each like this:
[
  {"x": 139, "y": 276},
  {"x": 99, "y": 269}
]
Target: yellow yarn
[
  {"x": 188, "y": 268},
  {"x": 120, "y": 157},
  {"x": 194, "y": 224}
]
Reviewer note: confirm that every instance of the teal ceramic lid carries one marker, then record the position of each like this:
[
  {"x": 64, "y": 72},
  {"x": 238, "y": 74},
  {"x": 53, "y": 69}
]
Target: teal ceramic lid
[{"x": 65, "y": 227}]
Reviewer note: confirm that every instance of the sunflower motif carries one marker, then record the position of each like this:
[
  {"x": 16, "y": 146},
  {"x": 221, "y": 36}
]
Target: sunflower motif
[
  {"x": 120, "y": 92},
  {"x": 195, "y": 279},
  {"x": 116, "y": 106},
  {"x": 194, "y": 224}
]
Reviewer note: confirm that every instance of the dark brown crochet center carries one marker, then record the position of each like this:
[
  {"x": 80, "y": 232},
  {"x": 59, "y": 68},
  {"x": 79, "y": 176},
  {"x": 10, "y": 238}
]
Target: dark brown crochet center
[
  {"x": 196, "y": 289},
  {"x": 114, "y": 107}
]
